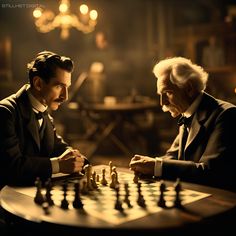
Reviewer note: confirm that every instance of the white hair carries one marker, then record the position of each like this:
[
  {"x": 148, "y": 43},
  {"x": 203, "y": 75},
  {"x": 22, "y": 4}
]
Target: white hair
[{"x": 180, "y": 71}]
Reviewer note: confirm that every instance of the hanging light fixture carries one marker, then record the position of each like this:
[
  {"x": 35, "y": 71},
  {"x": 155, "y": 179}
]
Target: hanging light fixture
[{"x": 46, "y": 20}]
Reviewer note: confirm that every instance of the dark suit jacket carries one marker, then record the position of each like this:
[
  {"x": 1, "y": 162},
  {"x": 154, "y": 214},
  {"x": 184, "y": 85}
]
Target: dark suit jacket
[
  {"x": 22, "y": 156},
  {"x": 210, "y": 152}
]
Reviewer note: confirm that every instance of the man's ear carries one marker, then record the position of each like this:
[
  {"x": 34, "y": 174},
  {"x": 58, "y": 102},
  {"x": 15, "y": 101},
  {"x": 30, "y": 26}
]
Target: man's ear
[{"x": 37, "y": 83}]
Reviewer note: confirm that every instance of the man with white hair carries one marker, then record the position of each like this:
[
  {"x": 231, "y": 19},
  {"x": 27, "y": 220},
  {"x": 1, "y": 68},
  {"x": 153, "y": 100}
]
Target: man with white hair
[{"x": 204, "y": 150}]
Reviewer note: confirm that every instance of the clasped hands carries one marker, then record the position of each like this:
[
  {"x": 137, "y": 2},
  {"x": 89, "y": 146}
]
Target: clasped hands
[
  {"x": 71, "y": 161},
  {"x": 142, "y": 165}
]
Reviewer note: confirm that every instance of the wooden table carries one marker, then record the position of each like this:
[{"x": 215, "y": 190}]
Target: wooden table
[
  {"x": 212, "y": 214},
  {"x": 112, "y": 117}
]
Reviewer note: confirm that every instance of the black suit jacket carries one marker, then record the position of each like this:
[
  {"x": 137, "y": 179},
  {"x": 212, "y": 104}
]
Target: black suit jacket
[
  {"x": 210, "y": 152},
  {"x": 22, "y": 157}
]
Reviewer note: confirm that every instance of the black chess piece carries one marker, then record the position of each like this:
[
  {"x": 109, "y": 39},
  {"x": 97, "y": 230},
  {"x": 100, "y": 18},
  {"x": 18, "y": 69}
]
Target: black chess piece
[
  {"x": 178, "y": 188},
  {"x": 161, "y": 202},
  {"x": 48, "y": 194},
  {"x": 77, "y": 203},
  {"x": 126, "y": 199},
  {"x": 118, "y": 204},
  {"x": 140, "y": 201},
  {"x": 39, "y": 198},
  {"x": 64, "y": 202}
]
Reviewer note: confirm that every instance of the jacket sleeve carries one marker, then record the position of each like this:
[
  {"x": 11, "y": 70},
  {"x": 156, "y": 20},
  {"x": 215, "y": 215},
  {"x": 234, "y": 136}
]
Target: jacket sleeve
[
  {"x": 60, "y": 145},
  {"x": 217, "y": 161}
]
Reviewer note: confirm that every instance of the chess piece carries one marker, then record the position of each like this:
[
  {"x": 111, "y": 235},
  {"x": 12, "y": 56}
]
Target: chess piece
[
  {"x": 178, "y": 188},
  {"x": 126, "y": 199},
  {"x": 113, "y": 180},
  {"x": 98, "y": 178},
  {"x": 110, "y": 165},
  {"x": 116, "y": 174},
  {"x": 48, "y": 194},
  {"x": 103, "y": 180},
  {"x": 77, "y": 203},
  {"x": 39, "y": 198},
  {"x": 45, "y": 207},
  {"x": 136, "y": 178},
  {"x": 88, "y": 172},
  {"x": 64, "y": 202},
  {"x": 84, "y": 189},
  {"x": 93, "y": 180},
  {"x": 140, "y": 200},
  {"x": 161, "y": 202},
  {"x": 118, "y": 203}
]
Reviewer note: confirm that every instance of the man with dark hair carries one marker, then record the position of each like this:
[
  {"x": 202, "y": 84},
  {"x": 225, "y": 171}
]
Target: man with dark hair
[
  {"x": 204, "y": 150},
  {"x": 29, "y": 144}
]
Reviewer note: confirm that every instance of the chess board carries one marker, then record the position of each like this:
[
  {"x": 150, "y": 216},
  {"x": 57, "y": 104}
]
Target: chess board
[{"x": 100, "y": 202}]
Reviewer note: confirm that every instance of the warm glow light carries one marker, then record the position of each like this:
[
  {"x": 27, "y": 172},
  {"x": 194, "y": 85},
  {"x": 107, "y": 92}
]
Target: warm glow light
[
  {"x": 46, "y": 20},
  {"x": 93, "y": 14},
  {"x": 84, "y": 9},
  {"x": 63, "y": 7},
  {"x": 37, "y": 13}
]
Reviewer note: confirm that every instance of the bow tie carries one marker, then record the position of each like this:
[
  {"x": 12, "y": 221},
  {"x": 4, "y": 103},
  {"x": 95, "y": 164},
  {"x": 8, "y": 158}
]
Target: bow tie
[
  {"x": 184, "y": 121},
  {"x": 40, "y": 115}
]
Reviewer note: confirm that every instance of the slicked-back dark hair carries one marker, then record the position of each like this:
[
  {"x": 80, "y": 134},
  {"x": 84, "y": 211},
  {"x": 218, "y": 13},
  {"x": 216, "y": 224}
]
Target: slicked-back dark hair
[{"x": 45, "y": 65}]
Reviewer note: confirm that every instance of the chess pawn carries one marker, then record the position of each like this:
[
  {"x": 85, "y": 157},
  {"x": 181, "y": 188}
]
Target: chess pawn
[
  {"x": 48, "y": 194},
  {"x": 161, "y": 202},
  {"x": 118, "y": 203},
  {"x": 64, "y": 202},
  {"x": 178, "y": 188},
  {"x": 93, "y": 180},
  {"x": 116, "y": 174},
  {"x": 113, "y": 182},
  {"x": 126, "y": 199},
  {"x": 140, "y": 200},
  {"x": 77, "y": 203},
  {"x": 110, "y": 165},
  {"x": 103, "y": 180},
  {"x": 39, "y": 198}
]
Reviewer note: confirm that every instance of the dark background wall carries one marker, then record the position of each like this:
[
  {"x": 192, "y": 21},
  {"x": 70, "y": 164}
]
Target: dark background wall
[{"x": 139, "y": 33}]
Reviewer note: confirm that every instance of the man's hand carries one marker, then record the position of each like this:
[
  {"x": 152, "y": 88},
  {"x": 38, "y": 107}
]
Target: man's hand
[
  {"x": 71, "y": 161},
  {"x": 142, "y": 164}
]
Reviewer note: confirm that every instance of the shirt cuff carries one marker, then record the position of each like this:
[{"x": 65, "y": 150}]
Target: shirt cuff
[
  {"x": 55, "y": 165},
  {"x": 158, "y": 167}
]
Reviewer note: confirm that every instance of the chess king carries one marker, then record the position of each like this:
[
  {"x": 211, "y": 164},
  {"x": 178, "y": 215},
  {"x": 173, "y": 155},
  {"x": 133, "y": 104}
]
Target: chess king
[{"x": 29, "y": 144}]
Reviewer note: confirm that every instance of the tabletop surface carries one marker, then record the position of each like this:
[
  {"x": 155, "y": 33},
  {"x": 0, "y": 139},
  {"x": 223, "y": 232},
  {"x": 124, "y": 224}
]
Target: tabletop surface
[{"x": 99, "y": 213}]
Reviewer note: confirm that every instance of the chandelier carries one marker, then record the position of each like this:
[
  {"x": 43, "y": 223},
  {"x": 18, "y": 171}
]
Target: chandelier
[{"x": 46, "y": 20}]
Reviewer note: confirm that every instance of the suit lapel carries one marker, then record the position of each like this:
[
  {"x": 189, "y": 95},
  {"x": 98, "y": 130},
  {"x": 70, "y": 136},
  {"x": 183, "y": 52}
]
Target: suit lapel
[
  {"x": 28, "y": 114},
  {"x": 33, "y": 130},
  {"x": 202, "y": 114}
]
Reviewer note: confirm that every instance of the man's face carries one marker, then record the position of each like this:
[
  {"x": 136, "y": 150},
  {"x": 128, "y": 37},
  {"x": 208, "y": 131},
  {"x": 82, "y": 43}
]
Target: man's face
[
  {"x": 172, "y": 98},
  {"x": 55, "y": 91}
]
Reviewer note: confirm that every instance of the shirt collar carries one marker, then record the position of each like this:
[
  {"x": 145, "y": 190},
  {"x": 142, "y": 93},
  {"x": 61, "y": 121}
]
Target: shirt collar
[
  {"x": 193, "y": 107},
  {"x": 37, "y": 106}
]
